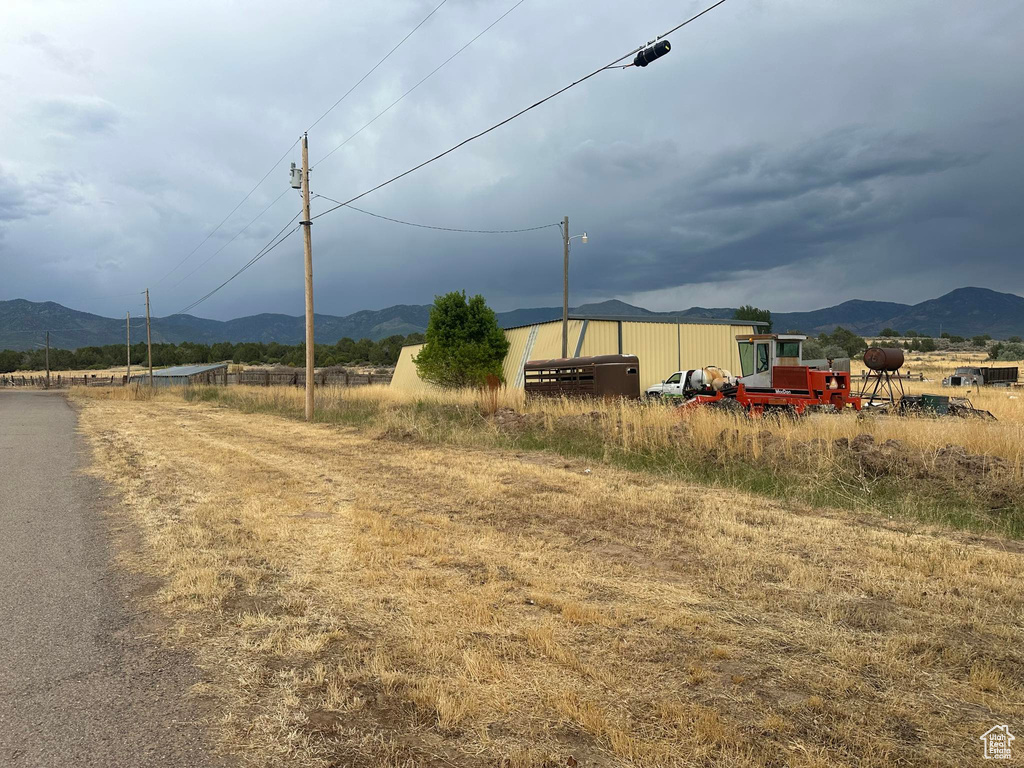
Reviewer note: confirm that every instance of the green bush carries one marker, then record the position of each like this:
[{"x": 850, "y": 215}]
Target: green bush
[{"x": 464, "y": 344}]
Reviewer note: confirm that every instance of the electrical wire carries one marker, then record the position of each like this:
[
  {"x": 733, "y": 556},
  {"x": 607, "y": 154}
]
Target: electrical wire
[
  {"x": 272, "y": 244},
  {"x": 421, "y": 82},
  {"x": 259, "y": 255},
  {"x": 224, "y": 221},
  {"x": 446, "y": 229},
  {"x": 229, "y": 242},
  {"x": 275, "y": 165},
  {"x": 386, "y": 57},
  {"x": 513, "y": 117}
]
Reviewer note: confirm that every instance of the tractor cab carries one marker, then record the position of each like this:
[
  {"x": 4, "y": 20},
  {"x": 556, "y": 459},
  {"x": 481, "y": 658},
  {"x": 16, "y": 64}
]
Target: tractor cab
[{"x": 761, "y": 353}]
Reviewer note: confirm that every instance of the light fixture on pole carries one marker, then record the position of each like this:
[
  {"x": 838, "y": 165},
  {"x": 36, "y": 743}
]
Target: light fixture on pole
[{"x": 566, "y": 239}]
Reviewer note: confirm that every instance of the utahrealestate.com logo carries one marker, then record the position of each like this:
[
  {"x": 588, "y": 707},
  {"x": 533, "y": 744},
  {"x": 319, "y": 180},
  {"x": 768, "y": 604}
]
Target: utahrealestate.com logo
[{"x": 998, "y": 740}]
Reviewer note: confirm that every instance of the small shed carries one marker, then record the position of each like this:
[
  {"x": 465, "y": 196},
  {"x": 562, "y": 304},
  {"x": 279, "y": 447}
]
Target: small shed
[{"x": 182, "y": 375}]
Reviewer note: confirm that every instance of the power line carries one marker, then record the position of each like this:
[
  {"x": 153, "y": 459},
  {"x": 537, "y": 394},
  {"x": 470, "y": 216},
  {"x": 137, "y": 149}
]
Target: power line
[
  {"x": 290, "y": 148},
  {"x": 446, "y": 229},
  {"x": 386, "y": 57},
  {"x": 229, "y": 242},
  {"x": 259, "y": 255},
  {"x": 421, "y": 82},
  {"x": 214, "y": 230},
  {"x": 272, "y": 244},
  {"x": 513, "y": 117}
]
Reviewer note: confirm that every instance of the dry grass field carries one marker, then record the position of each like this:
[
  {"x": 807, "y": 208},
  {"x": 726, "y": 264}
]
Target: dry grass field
[
  {"x": 374, "y": 596},
  {"x": 965, "y": 472}
]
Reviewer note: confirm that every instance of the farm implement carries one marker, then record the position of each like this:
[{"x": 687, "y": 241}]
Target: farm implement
[{"x": 775, "y": 378}]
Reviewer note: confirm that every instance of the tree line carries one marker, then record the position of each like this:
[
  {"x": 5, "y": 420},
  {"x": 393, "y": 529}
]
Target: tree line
[{"x": 345, "y": 352}]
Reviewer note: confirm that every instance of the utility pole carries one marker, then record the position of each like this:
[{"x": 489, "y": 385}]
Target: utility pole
[
  {"x": 47, "y": 359},
  {"x": 128, "y": 344},
  {"x": 307, "y": 224},
  {"x": 565, "y": 287},
  {"x": 149, "y": 341}
]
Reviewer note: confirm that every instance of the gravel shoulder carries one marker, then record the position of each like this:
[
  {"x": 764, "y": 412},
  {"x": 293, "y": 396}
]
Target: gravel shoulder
[{"x": 82, "y": 681}]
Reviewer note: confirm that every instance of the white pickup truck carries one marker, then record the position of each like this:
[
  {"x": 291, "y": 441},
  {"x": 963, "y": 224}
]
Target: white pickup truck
[
  {"x": 682, "y": 383},
  {"x": 670, "y": 387}
]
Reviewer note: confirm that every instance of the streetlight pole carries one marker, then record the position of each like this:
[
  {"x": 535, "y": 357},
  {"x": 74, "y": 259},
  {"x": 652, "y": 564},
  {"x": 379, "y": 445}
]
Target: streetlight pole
[
  {"x": 565, "y": 282},
  {"x": 565, "y": 287}
]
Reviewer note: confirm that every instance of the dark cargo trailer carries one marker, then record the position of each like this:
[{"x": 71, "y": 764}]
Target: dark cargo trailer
[{"x": 601, "y": 376}]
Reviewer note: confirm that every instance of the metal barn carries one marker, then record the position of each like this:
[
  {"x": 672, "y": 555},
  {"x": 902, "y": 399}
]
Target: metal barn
[
  {"x": 663, "y": 345},
  {"x": 181, "y": 375}
]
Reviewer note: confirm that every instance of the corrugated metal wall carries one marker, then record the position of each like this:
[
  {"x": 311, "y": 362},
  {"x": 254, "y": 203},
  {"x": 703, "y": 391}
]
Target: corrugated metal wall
[
  {"x": 663, "y": 348},
  {"x": 602, "y": 338},
  {"x": 405, "y": 371},
  {"x": 702, "y": 345},
  {"x": 657, "y": 346}
]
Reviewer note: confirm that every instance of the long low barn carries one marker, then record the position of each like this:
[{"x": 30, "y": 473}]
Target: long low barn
[
  {"x": 663, "y": 344},
  {"x": 182, "y": 375}
]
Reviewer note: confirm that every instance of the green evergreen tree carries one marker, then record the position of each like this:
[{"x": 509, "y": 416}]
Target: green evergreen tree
[
  {"x": 464, "y": 344},
  {"x": 750, "y": 312}
]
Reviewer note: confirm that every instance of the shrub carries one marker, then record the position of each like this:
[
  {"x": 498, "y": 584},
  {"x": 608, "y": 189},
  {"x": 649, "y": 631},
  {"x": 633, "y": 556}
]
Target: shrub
[{"x": 464, "y": 345}]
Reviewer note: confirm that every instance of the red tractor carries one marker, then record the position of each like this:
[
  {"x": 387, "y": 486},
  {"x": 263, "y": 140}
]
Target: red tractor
[{"x": 775, "y": 377}]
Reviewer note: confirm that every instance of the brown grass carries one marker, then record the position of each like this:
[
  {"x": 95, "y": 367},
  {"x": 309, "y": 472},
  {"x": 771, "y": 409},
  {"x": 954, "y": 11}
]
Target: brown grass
[{"x": 365, "y": 601}]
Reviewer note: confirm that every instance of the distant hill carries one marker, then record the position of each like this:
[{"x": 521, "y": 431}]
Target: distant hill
[{"x": 965, "y": 312}]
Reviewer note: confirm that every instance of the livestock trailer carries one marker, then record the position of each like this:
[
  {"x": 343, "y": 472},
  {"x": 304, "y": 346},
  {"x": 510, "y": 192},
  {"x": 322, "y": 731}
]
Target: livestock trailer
[{"x": 601, "y": 376}]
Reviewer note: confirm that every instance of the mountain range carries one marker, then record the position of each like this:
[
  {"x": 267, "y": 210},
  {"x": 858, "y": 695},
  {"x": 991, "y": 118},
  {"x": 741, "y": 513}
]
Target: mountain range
[{"x": 963, "y": 312}]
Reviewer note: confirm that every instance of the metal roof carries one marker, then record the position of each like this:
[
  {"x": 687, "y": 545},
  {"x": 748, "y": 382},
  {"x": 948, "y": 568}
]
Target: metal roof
[
  {"x": 188, "y": 370},
  {"x": 671, "y": 319}
]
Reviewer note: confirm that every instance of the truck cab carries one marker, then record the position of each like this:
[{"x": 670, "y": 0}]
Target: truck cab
[
  {"x": 673, "y": 386},
  {"x": 761, "y": 353}
]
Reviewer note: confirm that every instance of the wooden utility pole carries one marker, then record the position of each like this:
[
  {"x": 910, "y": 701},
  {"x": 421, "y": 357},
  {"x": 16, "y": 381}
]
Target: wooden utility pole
[
  {"x": 128, "y": 344},
  {"x": 149, "y": 341},
  {"x": 47, "y": 359},
  {"x": 565, "y": 287},
  {"x": 307, "y": 224}
]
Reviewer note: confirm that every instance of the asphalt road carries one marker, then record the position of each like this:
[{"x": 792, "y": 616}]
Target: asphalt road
[{"x": 80, "y": 683}]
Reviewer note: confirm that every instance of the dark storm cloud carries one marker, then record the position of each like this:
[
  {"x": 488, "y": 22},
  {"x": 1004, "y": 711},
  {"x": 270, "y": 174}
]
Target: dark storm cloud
[
  {"x": 790, "y": 153},
  {"x": 848, "y": 158}
]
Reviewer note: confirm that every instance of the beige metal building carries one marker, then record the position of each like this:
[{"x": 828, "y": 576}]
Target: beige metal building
[{"x": 663, "y": 344}]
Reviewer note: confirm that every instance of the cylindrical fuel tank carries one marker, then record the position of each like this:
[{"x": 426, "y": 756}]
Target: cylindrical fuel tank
[{"x": 883, "y": 358}]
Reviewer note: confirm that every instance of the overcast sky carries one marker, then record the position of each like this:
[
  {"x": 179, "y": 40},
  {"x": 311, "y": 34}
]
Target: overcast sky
[{"x": 790, "y": 154}]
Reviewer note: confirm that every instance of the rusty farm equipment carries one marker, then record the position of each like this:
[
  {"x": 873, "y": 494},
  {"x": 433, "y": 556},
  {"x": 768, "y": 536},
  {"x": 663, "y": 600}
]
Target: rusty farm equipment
[{"x": 775, "y": 379}]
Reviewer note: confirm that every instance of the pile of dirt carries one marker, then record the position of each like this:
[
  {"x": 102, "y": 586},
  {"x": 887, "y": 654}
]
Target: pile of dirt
[
  {"x": 509, "y": 420},
  {"x": 581, "y": 420},
  {"x": 894, "y": 457},
  {"x": 952, "y": 467}
]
